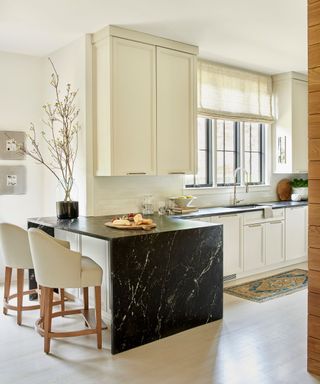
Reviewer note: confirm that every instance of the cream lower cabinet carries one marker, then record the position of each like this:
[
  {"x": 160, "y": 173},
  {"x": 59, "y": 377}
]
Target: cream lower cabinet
[
  {"x": 296, "y": 236},
  {"x": 263, "y": 244},
  {"x": 252, "y": 242},
  {"x": 232, "y": 255},
  {"x": 253, "y": 246},
  {"x": 274, "y": 232}
]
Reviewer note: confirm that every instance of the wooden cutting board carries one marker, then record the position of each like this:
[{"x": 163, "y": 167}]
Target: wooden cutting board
[
  {"x": 145, "y": 227},
  {"x": 284, "y": 190}
]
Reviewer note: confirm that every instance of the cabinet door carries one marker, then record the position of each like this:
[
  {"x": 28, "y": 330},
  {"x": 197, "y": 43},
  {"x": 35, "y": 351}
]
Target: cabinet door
[
  {"x": 176, "y": 86},
  {"x": 133, "y": 105},
  {"x": 232, "y": 257},
  {"x": 253, "y": 246},
  {"x": 296, "y": 241},
  {"x": 300, "y": 126},
  {"x": 274, "y": 242}
]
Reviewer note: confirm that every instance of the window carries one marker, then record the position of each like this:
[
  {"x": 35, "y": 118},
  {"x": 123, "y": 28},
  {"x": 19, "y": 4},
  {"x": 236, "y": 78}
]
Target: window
[
  {"x": 225, "y": 145},
  {"x": 204, "y": 175},
  {"x": 254, "y": 146},
  {"x": 227, "y": 150}
]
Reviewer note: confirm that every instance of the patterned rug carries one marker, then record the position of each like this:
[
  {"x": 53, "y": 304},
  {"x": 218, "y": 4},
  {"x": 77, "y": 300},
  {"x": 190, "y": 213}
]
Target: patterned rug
[{"x": 271, "y": 287}]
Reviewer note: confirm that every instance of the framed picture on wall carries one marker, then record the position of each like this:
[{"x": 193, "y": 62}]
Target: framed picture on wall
[
  {"x": 9, "y": 141},
  {"x": 12, "y": 180}
]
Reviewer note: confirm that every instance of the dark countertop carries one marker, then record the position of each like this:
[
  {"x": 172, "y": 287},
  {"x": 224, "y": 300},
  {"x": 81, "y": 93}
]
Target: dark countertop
[
  {"x": 218, "y": 211},
  {"x": 94, "y": 226}
]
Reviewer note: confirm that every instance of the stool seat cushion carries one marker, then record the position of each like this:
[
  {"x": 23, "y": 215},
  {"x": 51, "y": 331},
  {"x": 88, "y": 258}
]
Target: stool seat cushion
[
  {"x": 56, "y": 266},
  {"x": 14, "y": 246},
  {"x": 91, "y": 273}
]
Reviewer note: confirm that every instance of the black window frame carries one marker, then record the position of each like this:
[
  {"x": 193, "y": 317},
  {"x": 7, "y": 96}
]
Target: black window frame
[
  {"x": 211, "y": 169},
  {"x": 209, "y": 154},
  {"x": 236, "y": 150},
  {"x": 262, "y": 140}
]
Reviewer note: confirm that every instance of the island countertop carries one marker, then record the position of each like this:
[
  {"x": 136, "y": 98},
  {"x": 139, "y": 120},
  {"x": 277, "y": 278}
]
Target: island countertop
[
  {"x": 159, "y": 282},
  {"x": 94, "y": 226}
]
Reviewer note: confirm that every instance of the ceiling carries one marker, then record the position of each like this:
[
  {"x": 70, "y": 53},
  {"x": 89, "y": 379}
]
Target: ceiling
[{"x": 264, "y": 35}]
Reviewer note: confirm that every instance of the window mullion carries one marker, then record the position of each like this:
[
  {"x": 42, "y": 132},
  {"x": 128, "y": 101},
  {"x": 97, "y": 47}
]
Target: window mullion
[
  {"x": 209, "y": 154},
  {"x": 224, "y": 152},
  {"x": 214, "y": 153},
  {"x": 241, "y": 149}
]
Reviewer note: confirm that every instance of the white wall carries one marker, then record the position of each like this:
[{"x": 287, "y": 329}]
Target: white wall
[
  {"x": 70, "y": 63},
  {"x": 20, "y": 104}
]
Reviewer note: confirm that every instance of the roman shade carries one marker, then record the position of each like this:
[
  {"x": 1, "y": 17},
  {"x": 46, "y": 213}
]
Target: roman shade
[{"x": 231, "y": 93}]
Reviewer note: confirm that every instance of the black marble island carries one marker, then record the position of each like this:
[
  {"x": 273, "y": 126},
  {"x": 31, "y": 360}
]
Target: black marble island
[{"x": 163, "y": 281}]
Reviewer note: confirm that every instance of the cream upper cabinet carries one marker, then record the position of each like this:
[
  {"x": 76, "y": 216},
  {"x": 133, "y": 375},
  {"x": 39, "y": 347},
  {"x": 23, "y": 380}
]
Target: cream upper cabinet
[
  {"x": 144, "y": 104},
  {"x": 290, "y": 92},
  {"x": 133, "y": 108},
  {"x": 176, "y": 79}
]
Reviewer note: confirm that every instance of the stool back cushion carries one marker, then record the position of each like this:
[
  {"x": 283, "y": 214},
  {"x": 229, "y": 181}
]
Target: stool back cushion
[
  {"x": 55, "y": 265},
  {"x": 14, "y": 246}
]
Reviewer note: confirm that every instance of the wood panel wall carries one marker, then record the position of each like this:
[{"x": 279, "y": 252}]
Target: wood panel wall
[{"x": 314, "y": 186}]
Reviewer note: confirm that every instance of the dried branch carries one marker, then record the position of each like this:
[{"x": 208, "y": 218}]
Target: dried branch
[{"x": 60, "y": 135}]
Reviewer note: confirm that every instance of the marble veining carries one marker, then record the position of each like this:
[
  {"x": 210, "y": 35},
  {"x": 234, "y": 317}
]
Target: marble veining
[{"x": 164, "y": 284}]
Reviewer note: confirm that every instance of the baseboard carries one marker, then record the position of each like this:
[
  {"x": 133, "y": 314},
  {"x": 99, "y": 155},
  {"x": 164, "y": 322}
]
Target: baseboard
[{"x": 287, "y": 263}]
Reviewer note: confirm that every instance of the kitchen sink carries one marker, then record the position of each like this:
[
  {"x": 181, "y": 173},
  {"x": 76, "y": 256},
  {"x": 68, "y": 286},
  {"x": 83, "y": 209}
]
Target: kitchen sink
[{"x": 244, "y": 206}]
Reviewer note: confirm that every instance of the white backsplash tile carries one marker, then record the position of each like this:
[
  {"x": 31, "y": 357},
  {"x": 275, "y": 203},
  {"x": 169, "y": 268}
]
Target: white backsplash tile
[
  {"x": 116, "y": 195},
  {"x": 125, "y": 193}
]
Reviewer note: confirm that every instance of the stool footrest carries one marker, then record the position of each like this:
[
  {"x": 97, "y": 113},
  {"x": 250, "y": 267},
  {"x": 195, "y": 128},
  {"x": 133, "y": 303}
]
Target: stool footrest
[
  {"x": 23, "y": 308},
  {"x": 12, "y": 307},
  {"x": 89, "y": 318}
]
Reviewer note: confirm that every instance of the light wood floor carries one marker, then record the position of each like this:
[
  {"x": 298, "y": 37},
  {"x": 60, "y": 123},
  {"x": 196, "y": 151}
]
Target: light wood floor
[{"x": 254, "y": 343}]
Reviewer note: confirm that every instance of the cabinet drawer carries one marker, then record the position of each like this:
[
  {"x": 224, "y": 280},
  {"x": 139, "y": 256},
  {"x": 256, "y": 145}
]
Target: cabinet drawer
[{"x": 257, "y": 216}]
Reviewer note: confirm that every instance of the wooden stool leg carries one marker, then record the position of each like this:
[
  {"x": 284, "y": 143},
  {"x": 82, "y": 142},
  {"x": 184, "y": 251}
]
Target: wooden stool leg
[
  {"x": 7, "y": 284},
  {"x": 20, "y": 284},
  {"x": 62, "y": 299},
  {"x": 85, "y": 298},
  {"x": 98, "y": 316},
  {"x": 42, "y": 301},
  {"x": 48, "y": 293}
]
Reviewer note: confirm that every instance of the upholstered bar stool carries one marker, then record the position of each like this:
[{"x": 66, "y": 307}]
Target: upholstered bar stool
[
  {"x": 14, "y": 246},
  {"x": 56, "y": 266}
]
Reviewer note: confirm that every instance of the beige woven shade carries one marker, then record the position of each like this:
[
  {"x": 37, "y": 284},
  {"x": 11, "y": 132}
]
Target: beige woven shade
[{"x": 231, "y": 93}]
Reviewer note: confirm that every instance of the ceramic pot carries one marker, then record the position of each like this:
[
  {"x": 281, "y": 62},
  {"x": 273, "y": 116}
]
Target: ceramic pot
[{"x": 303, "y": 192}]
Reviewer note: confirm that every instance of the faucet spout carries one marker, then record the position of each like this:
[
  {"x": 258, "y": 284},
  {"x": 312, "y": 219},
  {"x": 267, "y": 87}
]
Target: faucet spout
[{"x": 246, "y": 182}]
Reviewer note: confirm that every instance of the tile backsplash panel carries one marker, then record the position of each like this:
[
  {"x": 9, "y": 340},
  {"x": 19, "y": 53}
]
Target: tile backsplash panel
[{"x": 125, "y": 193}]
